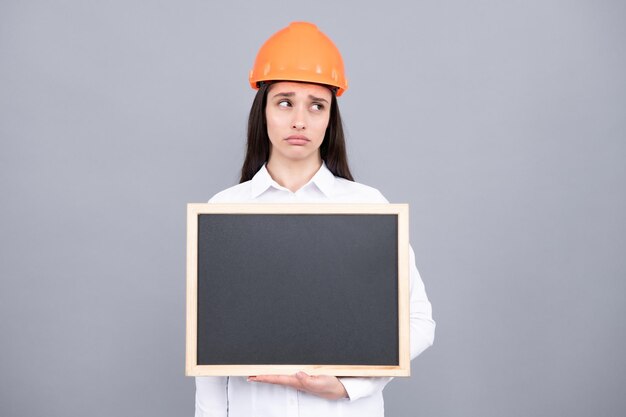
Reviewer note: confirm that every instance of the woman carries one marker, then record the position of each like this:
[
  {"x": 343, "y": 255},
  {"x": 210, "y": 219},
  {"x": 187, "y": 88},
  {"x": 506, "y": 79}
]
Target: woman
[{"x": 296, "y": 153}]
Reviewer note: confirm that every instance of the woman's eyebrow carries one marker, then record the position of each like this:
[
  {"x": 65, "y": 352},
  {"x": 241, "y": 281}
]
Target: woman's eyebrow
[
  {"x": 291, "y": 94},
  {"x": 317, "y": 98},
  {"x": 284, "y": 94}
]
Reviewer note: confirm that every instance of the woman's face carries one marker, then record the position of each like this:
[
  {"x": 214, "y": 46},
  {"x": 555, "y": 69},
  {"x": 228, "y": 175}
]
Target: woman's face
[{"x": 297, "y": 116}]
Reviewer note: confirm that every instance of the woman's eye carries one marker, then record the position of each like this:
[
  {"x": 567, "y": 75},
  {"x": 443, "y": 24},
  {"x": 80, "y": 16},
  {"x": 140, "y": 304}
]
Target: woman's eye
[
  {"x": 284, "y": 103},
  {"x": 317, "y": 106}
]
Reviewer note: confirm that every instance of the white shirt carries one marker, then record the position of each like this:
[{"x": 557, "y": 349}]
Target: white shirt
[{"x": 234, "y": 396}]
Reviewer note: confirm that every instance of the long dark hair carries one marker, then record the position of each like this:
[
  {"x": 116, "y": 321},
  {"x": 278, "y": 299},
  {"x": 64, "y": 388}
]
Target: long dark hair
[{"x": 332, "y": 149}]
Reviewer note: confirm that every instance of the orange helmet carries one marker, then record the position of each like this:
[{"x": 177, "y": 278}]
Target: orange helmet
[{"x": 299, "y": 52}]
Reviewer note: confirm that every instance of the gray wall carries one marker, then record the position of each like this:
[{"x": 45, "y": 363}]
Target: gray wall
[{"x": 503, "y": 124}]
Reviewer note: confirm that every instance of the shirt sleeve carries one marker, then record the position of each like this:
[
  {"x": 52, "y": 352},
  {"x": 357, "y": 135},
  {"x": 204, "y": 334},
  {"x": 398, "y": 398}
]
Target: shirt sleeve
[
  {"x": 422, "y": 331},
  {"x": 211, "y": 396}
]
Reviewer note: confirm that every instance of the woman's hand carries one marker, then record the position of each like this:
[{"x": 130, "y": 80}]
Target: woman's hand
[{"x": 324, "y": 386}]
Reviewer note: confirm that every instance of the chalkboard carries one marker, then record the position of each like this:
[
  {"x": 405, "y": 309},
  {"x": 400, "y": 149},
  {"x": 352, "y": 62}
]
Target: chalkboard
[{"x": 277, "y": 288}]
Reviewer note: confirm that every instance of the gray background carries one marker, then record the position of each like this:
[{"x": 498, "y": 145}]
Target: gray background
[{"x": 502, "y": 123}]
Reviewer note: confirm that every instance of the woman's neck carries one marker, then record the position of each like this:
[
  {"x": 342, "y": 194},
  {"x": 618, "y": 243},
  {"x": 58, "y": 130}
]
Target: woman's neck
[{"x": 293, "y": 175}]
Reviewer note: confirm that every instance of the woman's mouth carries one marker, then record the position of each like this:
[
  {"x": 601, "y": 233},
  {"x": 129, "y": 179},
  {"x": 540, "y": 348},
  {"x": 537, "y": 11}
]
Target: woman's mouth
[{"x": 298, "y": 140}]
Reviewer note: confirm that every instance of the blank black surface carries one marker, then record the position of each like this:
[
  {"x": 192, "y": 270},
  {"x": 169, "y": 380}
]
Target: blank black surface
[{"x": 297, "y": 289}]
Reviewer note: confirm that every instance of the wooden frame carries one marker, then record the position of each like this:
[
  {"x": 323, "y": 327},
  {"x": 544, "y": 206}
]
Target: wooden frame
[{"x": 193, "y": 213}]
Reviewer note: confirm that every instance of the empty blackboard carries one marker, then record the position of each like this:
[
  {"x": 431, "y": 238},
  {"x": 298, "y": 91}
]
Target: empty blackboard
[{"x": 277, "y": 288}]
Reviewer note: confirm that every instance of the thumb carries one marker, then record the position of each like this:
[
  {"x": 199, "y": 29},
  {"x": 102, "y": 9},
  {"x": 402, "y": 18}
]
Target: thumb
[{"x": 304, "y": 379}]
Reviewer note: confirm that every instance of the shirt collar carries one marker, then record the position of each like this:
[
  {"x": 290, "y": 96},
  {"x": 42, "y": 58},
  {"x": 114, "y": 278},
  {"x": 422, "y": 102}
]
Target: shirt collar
[{"x": 323, "y": 179}]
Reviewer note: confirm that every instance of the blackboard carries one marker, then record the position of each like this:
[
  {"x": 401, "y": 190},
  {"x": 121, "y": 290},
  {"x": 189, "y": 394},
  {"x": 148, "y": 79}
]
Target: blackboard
[{"x": 273, "y": 289}]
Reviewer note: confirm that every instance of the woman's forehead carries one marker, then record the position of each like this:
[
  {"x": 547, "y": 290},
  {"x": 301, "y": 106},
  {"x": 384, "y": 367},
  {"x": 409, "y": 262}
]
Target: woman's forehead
[{"x": 299, "y": 88}]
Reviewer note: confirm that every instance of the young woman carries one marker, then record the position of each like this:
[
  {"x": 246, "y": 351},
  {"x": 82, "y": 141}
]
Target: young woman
[{"x": 296, "y": 154}]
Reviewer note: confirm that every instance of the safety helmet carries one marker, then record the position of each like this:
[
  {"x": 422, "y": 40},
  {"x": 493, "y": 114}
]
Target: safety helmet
[{"x": 299, "y": 52}]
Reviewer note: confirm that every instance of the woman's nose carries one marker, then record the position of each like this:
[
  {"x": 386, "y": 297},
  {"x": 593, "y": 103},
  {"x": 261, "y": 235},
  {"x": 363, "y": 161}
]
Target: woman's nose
[{"x": 298, "y": 121}]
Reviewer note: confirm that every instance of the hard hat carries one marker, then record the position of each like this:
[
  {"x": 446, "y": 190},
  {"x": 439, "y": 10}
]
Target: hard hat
[{"x": 299, "y": 52}]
